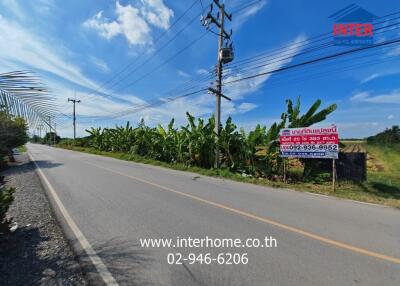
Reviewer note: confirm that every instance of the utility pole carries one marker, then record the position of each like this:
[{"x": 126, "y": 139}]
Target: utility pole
[
  {"x": 74, "y": 101},
  {"x": 55, "y": 132},
  {"x": 40, "y": 130},
  {"x": 50, "y": 130},
  {"x": 225, "y": 55}
]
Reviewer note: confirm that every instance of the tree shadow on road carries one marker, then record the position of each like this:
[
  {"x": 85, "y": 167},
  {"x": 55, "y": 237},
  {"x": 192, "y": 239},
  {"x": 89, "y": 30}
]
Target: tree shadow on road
[
  {"x": 125, "y": 260},
  {"x": 132, "y": 265},
  {"x": 27, "y": 166}
]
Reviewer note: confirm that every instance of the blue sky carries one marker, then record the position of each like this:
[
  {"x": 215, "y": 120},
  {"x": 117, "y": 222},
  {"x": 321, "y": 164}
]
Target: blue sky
[{"x": 77, "y": 46}]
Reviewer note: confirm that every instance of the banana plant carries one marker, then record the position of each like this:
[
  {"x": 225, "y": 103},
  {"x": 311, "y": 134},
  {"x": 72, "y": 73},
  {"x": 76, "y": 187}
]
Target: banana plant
[
  {"x": 310, "y": 117},
  {"x": 255, "y": 153},
  {"x": 230, "y": 143},
  {"x": 201, "y": 140},
  {"x": 96, "y": 138},
  {"x": 269, "y": 152},
  {"x": 167, "y": 138}
]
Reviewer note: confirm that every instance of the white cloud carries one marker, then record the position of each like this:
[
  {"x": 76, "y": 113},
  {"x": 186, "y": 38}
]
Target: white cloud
[
  {"x": 21, "y": 48},
  {"x": 92, "y": 105},
  {"x": 133, "y": 22},
  {"x": 360, "y": 96},
  {"x": 43, "y": 7},
  {"x": 204, "y": 105},
  {"x": 388, "y": 98},
  {"x": 197, "y": 106},
  {"x": 103, "y": 107},
  {"x": 391, "y": 116},
  {"x": 14, "y": 7},
  {"x": 183, "y": 74},
  {"x": 394, "y": 52},
  {"x": 128, "y": 23},
  {"x": 157, "y": 13},
  {"x": 100, "y": 64},
  {"x": 246, "y": 106},
  {"x": 248, "y": 12},
  {"x": 371, "y": 77},
  {"x": 202, "y": 72},
  {"x": 379, "y": 75}
]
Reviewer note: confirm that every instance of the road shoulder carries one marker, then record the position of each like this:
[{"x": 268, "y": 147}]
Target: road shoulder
[{"x": 37, "y": 252}]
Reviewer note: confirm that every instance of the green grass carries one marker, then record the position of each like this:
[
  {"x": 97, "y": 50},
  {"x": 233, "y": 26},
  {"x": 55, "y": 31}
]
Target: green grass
[
  {"x": 382, "y": 186},
  {"x": 383, "y": 177},
  {"x": 22, "y": 149}
]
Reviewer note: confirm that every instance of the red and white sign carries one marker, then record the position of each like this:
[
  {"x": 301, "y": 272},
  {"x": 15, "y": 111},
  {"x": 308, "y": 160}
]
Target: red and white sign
[{"x": 310, "y": 142}]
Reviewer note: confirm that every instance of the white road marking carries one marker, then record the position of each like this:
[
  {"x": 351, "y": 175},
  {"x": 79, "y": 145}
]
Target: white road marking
[{"x": 96, "y": 260}]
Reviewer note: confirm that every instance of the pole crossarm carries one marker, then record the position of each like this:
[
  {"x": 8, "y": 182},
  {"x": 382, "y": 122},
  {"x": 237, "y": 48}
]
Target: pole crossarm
[
  {"x": 213, "y": 90},
  {"x": 220, "y": 6}
]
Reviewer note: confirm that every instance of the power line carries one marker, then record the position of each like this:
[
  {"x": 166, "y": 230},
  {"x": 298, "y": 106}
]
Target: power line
[
  {"x": 314, "y": 61},
  {"x": 296, "y": 47},
  {"x": 149, "y": 58},
  {"x": 305, "y": 42},
  {"x": 278, "y": 50},
  {"x": 289, "y": 56},
  {"x": 275, "y": 71},
  {"x": 164, "y": 63},
  {"x": 286, "y": 57},
  {"x": 227, "y": 83},
  {"x": 156, "y": 41}
]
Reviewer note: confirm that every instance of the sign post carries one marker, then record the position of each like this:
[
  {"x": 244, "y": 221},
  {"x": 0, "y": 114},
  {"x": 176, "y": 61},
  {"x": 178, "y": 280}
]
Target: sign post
[
  {"x": 310, "y": 142},
  {"x": 333, "y": 175},
  {"x": 284, "y": 170}
]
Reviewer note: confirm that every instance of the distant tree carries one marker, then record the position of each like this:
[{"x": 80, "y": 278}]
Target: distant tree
[
  {"x": 51, "y": 138},
  {"x": 35, "y": 139},
  {"x": 389, "y": 136},
  {"x": 13, "y": 133}
]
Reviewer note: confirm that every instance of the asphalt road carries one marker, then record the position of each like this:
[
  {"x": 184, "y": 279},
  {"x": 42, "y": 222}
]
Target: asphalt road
[{"x": 320, "y": 240}]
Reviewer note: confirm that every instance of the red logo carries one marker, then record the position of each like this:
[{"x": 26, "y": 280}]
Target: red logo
[
  {"x": 353, "y": 26},
  {"x": 352, "y": 29}
]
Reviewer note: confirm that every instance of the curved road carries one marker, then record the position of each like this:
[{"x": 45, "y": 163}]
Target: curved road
[{"x": 320, "y": 240}]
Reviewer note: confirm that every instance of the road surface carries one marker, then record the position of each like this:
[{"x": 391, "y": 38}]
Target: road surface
[{"x": 319, "y": 240}]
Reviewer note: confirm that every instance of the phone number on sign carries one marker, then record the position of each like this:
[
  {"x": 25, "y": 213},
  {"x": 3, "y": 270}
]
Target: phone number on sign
[
  {"x": 208, "y": 258},
  {"x": 321, "y": 147}
]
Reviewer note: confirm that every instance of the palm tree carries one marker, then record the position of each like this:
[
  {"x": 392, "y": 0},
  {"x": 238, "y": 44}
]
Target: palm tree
[{"x": 22, "y": 95}]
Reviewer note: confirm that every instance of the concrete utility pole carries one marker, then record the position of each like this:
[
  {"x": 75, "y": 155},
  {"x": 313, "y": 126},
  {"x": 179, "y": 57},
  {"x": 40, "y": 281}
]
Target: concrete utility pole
[
  {"x": 74, "y": 101},
  {"x": 50, "y": 130},
  {"x": 222, "y": 58},
  {"x": 40, "y": 130},
  {"x": 55, "y": 132}
]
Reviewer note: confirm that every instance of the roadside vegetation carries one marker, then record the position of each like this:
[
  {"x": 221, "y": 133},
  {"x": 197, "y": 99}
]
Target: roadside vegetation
[
  {"x": 247, "y": 157},
  {"x": 23, "y": 100},
  {"x": 254, "y": 154},
  {"x": 13, "y": 133}
]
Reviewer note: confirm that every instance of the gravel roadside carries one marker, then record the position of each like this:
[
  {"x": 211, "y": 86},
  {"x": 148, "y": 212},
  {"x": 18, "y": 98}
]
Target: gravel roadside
[{"x": 37, "y": 252}]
